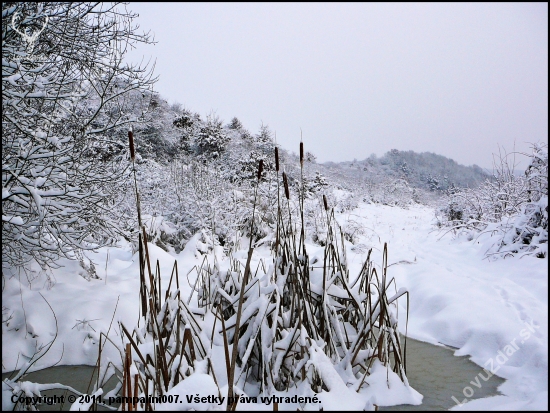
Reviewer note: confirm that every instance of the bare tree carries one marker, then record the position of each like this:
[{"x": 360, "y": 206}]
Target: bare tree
[{"x": 66, "y": 92}]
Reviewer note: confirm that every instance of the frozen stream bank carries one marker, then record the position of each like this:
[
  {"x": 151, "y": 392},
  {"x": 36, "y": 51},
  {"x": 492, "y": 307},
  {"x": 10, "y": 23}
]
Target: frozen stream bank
[
  {"x": 438, "y": 375},
  {"x": 432, "y": 370}
]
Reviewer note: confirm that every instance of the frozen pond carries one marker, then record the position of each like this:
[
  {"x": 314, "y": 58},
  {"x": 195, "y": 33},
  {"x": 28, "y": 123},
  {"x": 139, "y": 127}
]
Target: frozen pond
[
  {"x": 78, "y": 377},
  {"x": 432, "y": 370},
  {"x": 438, "y": 375}
]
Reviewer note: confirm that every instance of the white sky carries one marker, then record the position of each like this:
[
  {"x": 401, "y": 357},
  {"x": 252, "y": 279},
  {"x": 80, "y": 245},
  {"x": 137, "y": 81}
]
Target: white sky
[{"x": 360, "y": 78}]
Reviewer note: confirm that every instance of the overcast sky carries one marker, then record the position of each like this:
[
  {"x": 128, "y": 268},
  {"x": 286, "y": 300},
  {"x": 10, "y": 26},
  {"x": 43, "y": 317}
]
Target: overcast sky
[{"x": 357, "y": 78}]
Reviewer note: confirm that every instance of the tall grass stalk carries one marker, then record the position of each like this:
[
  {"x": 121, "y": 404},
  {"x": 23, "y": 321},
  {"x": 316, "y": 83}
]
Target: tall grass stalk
[{"x": 274, "y": 323}]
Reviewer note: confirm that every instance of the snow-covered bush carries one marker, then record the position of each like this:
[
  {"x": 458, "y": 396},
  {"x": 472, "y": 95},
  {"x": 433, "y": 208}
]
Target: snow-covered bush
[
  {"x": 515, "y": 208},
  {"x": 203, "y": 199},
  {"x": 245, "y": 168},
  {"x": 160, "y": 231},
  {"x": 342, "y": 200},
  {"x": 317, "y": 184},
  {"x": 525, "y": 233},
  {"x": 394, "y": 192}
]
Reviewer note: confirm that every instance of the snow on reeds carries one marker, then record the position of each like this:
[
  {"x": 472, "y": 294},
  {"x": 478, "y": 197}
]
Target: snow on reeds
[
  {"x": 308, "y": 325},
  {"x": 281, "y": 327}
]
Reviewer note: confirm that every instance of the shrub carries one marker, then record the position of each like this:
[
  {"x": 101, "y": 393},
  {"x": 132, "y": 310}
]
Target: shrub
[{"x": 515, "y": 208}]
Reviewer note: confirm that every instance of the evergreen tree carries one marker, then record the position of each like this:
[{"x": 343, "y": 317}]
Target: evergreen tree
[
  {"x": 235, "y": 124},
  {"x": 212, "y": 139}
]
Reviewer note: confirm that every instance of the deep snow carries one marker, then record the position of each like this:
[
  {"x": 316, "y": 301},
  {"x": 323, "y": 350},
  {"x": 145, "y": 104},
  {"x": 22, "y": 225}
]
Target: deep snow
[{"x": 493, "y": 311}]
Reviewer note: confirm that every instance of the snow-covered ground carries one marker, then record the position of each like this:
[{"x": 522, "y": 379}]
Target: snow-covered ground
[{"x": 494, "y": 311}]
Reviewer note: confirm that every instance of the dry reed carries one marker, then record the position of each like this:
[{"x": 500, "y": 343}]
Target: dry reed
[{"x": 353, "y": 320}]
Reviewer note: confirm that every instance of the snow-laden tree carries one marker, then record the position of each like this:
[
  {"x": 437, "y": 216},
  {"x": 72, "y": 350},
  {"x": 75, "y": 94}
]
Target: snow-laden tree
[
  {"x": 311, "y": 158},
  {"x": 157, "y": 135},
  {"x": 189, "y": 125},
  {"x": 212, "y": 139},
  {"x": 235, "y": 124},
  {"x": 319, "y": 182},
  {"x": 264, "y": 140},
  {"x": 65, "y": 94}
]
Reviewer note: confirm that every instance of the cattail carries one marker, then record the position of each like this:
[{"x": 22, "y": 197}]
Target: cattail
[
  {"x": 131, "y": 142},
  {"x": 301, "y": 153},
  {"x": 325, "y": 202},
  {"x": 285, "y": 182},
  {"x": 276, "y": 159},
  {"x": 260, "y": 168}
]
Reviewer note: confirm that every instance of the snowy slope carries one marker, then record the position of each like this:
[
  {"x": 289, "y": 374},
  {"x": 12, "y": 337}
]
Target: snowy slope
[{"x": 496, "y": 312}]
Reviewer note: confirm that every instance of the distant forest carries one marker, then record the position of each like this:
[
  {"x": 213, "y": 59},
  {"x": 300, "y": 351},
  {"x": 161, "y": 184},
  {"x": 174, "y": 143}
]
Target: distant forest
[{"x": 424, "y": 170}]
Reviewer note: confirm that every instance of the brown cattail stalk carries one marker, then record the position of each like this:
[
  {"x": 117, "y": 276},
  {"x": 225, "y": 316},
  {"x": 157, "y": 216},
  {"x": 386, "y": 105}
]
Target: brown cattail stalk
[
  {"x": 276, "y": 159},
  {"x": 131, "y": 142},
  {"x": 260, "y": 168},
  {"x": 135, "y": 391},
  {"x": 285, "y": 182},
  {"x": 302, "y": 154},
  {"x": 124, "y": 383},
  {"x": 325, "y": 202}
]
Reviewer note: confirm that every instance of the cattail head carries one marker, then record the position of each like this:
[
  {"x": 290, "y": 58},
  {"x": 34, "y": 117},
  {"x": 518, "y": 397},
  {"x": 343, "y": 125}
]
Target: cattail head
[
  {"x": 285, "y": 183},
  {"x": 301, "y": 153},
  {"x": 131, "y": 143},
  {"x": 325, "y": 202},
  {"x": 260, "y": 168},
  {"x": 276, "y": 159}
]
